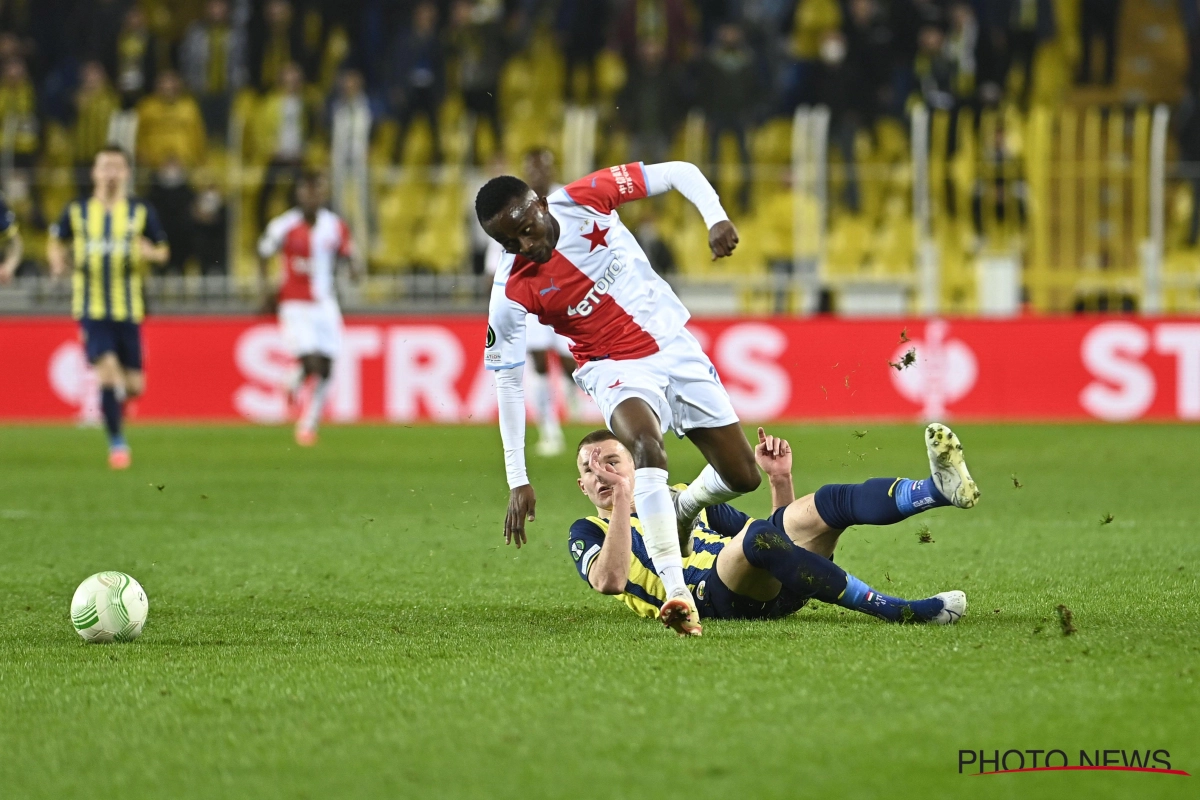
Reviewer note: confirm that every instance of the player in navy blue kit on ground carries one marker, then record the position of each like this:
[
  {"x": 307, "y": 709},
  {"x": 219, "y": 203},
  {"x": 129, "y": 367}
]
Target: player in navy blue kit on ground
[{"x": 746, "y": 568}]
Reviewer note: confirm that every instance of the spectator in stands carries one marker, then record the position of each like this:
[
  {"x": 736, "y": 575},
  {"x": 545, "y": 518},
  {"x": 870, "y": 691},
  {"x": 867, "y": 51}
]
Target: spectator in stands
[
  {"x": 171, "y": 196},
  {"x": 962, "y": 48},
  {"x": 583, "y": 31},
  {"x": 19, "y": 114},
  {"x": 1098, "y": 18},
  {"x": 813, "y": 20},
  {"x": 351, "y": 117},
  {"x": 95, "y": 102},
  {"x": 417, "y": 77},
  {"x": 933, "y": 69},
  {"x": 728, "y": 96},
  {"x": 285, "y": 124},
  {"x": 842, "y": 85},
  {"x": 478, "y": 45},
  {"x": 869, "y": 53},
  {"x": 276, "y": 41},
  {"x": 136, "y": 57},
  {"x": 649, "y": 104},
  {"x": 665, "y": 21},
  {"x": 170, "y": 128},
  {"x": 212, "y": 59},
  {"x": 1030, "y": 24},
  {"x": 210, "y": 226},
  {"x": 94, "y": 26}
]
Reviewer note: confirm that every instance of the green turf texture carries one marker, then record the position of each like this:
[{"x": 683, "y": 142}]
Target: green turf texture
[{"x": 346, "y": 622}]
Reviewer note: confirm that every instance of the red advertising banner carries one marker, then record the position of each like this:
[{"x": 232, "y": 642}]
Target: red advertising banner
[{"x": 431, "y": 368}]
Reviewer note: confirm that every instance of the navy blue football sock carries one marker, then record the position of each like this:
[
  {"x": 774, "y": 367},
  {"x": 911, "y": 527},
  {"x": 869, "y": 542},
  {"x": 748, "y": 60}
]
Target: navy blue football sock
[
  {"x": 111, "y": 408},
  {"x": 810, "y": 575},
  {"x": 879, "y": 501}
]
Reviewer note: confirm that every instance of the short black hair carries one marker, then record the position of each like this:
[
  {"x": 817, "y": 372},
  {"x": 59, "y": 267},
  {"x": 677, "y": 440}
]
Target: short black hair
[
  {"x": 496, "y": 194},
  {"x": 311, "y": 177},
  {"x": 595, "y": 437},
  {"x": 113, "y": 147}
]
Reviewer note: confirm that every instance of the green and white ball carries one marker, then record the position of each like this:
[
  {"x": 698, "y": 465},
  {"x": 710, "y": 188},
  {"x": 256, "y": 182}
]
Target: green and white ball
[{"x": 109, "y": 607}]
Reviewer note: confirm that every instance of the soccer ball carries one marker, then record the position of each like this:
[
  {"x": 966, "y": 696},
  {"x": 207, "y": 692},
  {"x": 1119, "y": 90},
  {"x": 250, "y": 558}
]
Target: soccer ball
[{"x": 109, "y": 607}]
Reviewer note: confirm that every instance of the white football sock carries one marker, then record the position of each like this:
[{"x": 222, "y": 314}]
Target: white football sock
[
  {"x": 657, "y": 513},
  {"x": 316, "y": 404},
  {"x": 707, "y": 490}
]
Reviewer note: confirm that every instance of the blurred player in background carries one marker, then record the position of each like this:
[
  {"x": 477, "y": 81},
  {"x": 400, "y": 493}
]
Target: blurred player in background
[
  {"x": 541, "y": 340},
  {"x": 10, "y": 243},
  {"x": 113, "y": 237},
  {"x": 312, "y": 240},
  {"x": 746, "y": 568},
  {"x": 571, "y": 261}
]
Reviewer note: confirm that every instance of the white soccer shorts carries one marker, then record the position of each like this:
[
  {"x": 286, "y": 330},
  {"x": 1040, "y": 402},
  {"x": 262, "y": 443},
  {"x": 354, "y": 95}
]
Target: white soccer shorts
[
  {"x": 543, "y": 337},
  {"x": 679, "y": 383},
  {"x": 311, "y": 327}
]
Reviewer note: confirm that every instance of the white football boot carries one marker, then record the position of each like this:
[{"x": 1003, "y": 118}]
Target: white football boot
[
  {"x": 948, "y": 467},
  {"x": 954, "y": 607}
]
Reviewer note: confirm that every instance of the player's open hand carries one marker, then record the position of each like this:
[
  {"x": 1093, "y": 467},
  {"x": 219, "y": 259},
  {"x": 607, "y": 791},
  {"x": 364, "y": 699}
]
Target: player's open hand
[
  {"x": 606, "y": 474},
  {"x": 521, "y": 503},
  {"x": 722, "y": 239},
  {"x": 773, "y": 454}
]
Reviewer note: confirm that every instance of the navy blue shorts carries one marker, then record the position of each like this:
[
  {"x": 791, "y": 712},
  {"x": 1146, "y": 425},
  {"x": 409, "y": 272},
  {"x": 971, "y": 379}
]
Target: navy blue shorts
[
  {"x": 715, "y": 600},
  {"x": 123, "y": 339}
]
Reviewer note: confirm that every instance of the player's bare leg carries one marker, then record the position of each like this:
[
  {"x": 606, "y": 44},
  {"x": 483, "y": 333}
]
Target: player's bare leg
[
  {"x": 550, "y": 435},
  {"x": 730, "y": 472},
  {"x": 637, "y": 427},
  {"x": 318, "y": 367},
  {"x": 111, "y": 378}
]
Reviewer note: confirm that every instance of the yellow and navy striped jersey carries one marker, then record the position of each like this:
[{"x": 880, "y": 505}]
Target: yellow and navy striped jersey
[
  {"x": 644, "y": 591},
  {"x": 107, "y": 278},
  {"x": 8, "y": 223}
]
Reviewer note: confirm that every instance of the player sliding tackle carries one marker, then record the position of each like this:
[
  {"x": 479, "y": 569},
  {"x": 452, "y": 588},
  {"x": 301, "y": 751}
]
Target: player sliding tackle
[
  {"x": 744, "y": 568},
  {"x": 571, "y": 262}
]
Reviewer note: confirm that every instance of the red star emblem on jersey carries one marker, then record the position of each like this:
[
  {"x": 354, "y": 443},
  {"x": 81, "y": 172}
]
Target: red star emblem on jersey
[{"x": 596, "y": 237}]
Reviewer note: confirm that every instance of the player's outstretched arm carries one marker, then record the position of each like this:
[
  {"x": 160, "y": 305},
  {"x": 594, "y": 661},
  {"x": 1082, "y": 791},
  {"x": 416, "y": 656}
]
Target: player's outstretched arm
[
  {"x": 609, "y": 573},
  {"x": 522, "y": 502},
  {"x": 774, "y": 457},
  {"x": 687, "y": 179}
]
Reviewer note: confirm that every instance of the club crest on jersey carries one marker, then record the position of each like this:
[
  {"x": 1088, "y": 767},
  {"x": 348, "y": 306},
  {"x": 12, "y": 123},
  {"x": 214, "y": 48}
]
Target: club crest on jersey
[
  {"x": 577, "y": 549},
  {"x": 491, "y": 337},
  {"x": 600, "y": 288}
]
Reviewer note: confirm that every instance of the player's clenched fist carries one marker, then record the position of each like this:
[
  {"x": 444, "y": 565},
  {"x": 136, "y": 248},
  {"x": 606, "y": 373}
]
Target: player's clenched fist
[
  {"x": 521, "y": 502},
  {"x": 723, "y": 239}
]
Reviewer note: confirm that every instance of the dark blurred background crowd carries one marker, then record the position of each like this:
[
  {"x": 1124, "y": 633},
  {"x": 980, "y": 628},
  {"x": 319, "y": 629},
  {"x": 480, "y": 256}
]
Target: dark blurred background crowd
[{"x": 69, "y": 69}]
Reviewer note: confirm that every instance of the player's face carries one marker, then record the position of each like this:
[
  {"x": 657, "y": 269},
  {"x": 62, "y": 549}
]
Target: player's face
[
  {"x": 525, "y": 228},
  {"x": 310, "y": 195},
  {"x": 611, "y": 452},
  {"x": 110, "y": 172}
]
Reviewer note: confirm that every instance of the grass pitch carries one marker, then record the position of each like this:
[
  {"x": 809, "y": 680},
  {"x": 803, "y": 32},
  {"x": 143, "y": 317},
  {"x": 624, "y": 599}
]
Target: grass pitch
[{"x": 346, "y": 622}]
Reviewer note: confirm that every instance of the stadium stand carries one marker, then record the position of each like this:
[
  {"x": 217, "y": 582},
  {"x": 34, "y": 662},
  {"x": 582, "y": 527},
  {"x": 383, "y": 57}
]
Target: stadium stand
[{"x": 862, "y": 145}]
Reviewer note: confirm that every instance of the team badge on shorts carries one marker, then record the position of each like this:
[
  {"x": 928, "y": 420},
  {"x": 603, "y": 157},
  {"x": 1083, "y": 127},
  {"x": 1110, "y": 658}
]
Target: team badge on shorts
[
  {"x": 576, "y": 549},
  {"x": 491, "y": 337},
  {"x": 700, "y": 590}
]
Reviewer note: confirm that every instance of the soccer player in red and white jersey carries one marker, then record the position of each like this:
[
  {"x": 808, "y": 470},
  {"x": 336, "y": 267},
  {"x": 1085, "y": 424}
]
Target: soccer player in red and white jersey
[
  {"x": 312, "y": 240},
  {"x": 573, "y": 264},
  {"x": 540, "y": 340}
]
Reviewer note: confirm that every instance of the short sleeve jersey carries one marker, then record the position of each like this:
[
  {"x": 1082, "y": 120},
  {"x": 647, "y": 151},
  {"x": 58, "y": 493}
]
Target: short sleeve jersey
[{"x": 309, "y": 252}]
